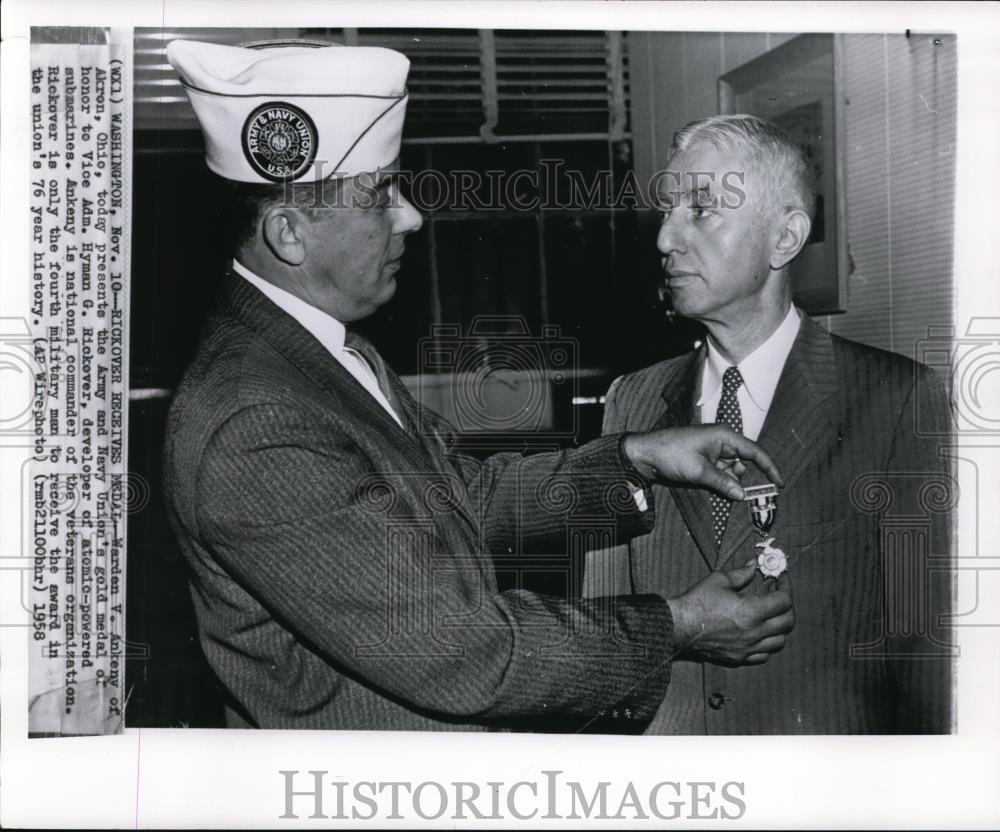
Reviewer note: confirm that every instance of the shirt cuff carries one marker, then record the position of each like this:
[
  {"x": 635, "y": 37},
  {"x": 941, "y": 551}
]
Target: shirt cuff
[
  {"x": 639, "y": 483},
  {"x": 626, "y": 463}
]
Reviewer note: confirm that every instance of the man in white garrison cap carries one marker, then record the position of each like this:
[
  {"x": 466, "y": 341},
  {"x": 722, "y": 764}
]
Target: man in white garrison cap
[{"x": 339, "y": 550}]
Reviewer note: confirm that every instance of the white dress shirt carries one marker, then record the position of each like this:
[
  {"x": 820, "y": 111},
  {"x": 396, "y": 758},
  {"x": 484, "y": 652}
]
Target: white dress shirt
[
  {"x": 326, "y": 329},
  {"x": 760, "y": 371}
]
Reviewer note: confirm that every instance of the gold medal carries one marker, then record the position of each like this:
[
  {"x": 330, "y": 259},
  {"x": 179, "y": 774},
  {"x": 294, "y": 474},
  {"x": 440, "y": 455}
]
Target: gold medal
[{"x": 762, "y": 500}]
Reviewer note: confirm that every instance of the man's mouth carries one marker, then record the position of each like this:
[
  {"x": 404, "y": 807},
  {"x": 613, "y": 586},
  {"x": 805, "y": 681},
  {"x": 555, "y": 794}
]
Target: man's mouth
[
  {"x": 678, "y": 277},
  {"x": 673, "y": 271}
]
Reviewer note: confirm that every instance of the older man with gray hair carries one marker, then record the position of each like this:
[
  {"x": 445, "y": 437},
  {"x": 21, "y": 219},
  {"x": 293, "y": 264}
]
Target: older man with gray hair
[{"x": 869, "y": 654}]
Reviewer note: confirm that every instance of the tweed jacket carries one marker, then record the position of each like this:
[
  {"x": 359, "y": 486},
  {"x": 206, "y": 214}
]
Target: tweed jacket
[
  {"x": 340, "y": 565},
  {"x": 863, "y": 518}
]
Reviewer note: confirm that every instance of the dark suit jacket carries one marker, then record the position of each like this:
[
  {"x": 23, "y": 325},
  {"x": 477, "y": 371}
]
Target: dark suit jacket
[
  {"x": 864, "y": 521},
  {"x": 341, "y": 571}
]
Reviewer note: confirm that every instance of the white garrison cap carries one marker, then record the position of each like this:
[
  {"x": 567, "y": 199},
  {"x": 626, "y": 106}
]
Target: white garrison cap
[{"x": 294, "y": 111}]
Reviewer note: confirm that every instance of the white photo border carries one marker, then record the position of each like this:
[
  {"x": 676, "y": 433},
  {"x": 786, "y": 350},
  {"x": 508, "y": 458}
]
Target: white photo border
[{"x": 178, "y": 778}]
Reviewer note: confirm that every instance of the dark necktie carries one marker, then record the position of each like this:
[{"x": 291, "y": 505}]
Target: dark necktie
[
  {"x": 729, "y": 413},
  {"x": 363, "y": 347}
]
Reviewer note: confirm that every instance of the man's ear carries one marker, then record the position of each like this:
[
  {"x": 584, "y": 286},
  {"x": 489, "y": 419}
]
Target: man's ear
[
  {"x": 793, "y": 236},
  {"x": 284, "y": 231}
]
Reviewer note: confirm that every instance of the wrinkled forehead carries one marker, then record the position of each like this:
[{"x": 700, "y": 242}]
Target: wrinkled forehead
[
  {"x": 363, "y": 190},
  {"x": 378, "y": 176},
  {"x": 368, "y": 181},
  {"x": 703, "y": 170},
  {"x": 389, "y": 170}
]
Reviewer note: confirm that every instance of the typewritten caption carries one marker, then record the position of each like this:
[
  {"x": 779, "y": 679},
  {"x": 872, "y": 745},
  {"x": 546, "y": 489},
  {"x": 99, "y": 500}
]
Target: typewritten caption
[{"x": 80, "y": 173}]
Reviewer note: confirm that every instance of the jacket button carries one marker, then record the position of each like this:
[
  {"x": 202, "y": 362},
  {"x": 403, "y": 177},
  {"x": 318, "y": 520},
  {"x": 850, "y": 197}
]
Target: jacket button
[{"x": 716, "y": 701}]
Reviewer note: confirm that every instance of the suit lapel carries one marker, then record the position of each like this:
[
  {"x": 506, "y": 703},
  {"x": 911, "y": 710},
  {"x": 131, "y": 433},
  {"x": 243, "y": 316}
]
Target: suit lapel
[
  {"x": 797, "y": 426},
  {"x": 426, "y": 429},
  {"x": 679, "y": 393},
  {"x": 288, "y": 337}
]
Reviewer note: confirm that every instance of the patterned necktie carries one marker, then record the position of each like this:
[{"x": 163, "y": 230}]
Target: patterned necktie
[
  {"x": 363, "y": 347},
  {"x": 729, "y": 413}
]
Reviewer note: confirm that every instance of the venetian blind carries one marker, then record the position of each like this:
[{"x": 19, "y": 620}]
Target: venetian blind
[
  {"x": 901, "y": 111},
  {"x": 465, "y": 85}
]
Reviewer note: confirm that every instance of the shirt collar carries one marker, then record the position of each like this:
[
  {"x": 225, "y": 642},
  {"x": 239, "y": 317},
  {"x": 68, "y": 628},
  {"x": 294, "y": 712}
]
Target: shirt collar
[
  {"x": 324, "y": 328},
  {"x": 760, "y": 370}
]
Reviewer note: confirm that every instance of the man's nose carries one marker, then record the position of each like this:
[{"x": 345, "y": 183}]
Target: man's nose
[
  {"x": 668, "y": 238},
  {"x": 406, "y": 217}
]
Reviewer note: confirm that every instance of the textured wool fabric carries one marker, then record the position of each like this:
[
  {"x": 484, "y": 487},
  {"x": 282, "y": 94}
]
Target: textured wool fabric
[
  {"x": 341, "y": 568},
  {"x": 728, "y": 414},
  {"x": 857, "y": 434}
]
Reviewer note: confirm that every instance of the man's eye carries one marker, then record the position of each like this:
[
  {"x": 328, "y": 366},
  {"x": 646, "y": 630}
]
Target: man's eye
[
  {"x": 389, "y": 196},
  {"x": 700, "y": 212}
]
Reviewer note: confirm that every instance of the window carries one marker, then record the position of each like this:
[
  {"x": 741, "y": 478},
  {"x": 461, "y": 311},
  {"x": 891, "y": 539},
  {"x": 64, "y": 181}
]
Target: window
[{"x": 543, "y": 112}]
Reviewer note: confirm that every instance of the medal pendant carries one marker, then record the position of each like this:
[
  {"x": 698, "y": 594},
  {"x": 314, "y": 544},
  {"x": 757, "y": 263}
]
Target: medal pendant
[{"x": 762, "y": 501}]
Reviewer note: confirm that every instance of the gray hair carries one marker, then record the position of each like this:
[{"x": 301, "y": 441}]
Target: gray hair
[{"x": 763, "y": 144}]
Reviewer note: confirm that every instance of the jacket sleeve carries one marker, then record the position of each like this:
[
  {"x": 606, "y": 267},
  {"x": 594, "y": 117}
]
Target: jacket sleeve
[
  {"x": 527, "y": 502},
  {"x": 916, "y": 552},
  {"x": 385, "y": 598}
]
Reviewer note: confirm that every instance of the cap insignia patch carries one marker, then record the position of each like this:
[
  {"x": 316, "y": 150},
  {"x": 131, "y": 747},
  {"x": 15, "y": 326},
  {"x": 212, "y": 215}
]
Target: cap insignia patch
[{"x": 279, "y": 141}]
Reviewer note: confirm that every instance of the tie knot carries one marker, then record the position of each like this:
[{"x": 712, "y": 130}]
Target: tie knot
[
  {"x": 355, "y": 341},
  {"x": 366, "y": 349},
  {"x": 731, "y": 380},
  {"x": 362, "y": 346}
]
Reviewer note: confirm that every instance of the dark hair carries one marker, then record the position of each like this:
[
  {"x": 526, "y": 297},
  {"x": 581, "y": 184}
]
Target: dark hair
[{"x": 241, "y": 205}]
